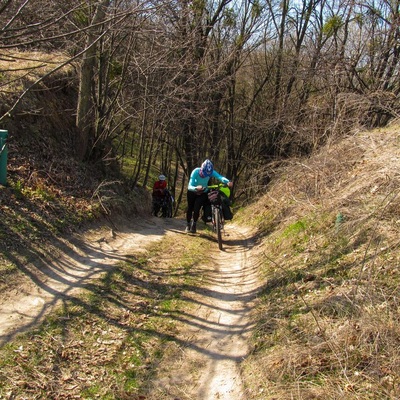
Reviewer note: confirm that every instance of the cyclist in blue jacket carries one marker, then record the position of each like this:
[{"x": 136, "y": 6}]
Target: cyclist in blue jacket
[{"x": 197, "y": 192}]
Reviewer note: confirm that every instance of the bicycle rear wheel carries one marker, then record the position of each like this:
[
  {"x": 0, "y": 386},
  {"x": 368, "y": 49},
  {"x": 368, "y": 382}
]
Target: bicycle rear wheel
[
  {"x": 218, "y": 226},
  {"x": 155, "y": 208}
]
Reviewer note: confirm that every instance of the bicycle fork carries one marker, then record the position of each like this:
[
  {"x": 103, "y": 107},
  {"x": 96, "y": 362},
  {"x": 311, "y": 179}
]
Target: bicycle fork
[{"x": 221, "y": 218}]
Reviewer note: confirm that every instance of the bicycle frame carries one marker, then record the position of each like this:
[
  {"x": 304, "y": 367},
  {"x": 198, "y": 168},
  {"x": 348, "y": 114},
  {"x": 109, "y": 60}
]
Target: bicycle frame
[
  {"x": 218, "y": 222},
  {"x": 216, "y": 214},
  {"x": 163, "y": 204}
]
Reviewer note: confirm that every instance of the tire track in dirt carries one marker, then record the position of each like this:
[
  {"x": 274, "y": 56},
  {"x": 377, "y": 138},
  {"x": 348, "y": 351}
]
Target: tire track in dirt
[
  {"x": 216, "y": 330},
  {"x": 68, "y": 267}
]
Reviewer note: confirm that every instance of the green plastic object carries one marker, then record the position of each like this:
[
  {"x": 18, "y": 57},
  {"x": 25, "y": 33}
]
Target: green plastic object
[
  {"x": 339, "y": 221},
  {"x": 226, "y": 191},
  {"x": 3, "y": 156}
]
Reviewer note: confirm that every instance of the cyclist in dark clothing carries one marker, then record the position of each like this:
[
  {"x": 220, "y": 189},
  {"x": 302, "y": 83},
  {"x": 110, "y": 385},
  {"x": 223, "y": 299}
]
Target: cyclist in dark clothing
[{"x": 159, "y": 193}]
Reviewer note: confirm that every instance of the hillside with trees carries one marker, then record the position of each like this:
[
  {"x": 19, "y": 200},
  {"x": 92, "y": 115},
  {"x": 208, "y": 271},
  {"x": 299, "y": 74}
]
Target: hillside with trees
[
  {"x": 296, "y": 101},
  {"x": 245, "y": 83}
]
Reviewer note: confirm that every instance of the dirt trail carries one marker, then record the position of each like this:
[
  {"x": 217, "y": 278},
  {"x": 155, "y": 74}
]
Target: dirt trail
[
  {"x": 69, "y": 266},
  {"x": 215, "y": 330}
]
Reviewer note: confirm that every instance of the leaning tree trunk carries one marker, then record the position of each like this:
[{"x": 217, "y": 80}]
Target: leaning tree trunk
[{"x": 85, "y": 109}]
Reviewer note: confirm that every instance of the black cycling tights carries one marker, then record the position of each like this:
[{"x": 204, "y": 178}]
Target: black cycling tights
[{"x": 195, "y": 202}]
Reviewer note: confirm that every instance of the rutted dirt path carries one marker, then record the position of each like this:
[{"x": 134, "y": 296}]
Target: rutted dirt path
[
  {"x": 68, "y": 266},
  {"x": 214, "y": 331}
]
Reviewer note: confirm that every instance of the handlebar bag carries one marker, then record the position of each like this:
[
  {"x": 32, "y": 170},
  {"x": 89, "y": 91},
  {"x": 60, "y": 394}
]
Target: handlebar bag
[{"x": 215, "y": 197}]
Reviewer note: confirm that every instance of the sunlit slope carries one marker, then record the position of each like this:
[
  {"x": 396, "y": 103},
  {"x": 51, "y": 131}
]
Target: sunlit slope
[{"x": 328, "y": 315}]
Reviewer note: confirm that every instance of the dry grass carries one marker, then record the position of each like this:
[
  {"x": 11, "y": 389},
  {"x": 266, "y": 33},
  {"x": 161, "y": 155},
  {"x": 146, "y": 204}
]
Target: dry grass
[
  {"x": 106, "y": 343},
  {"x": 20, "y": 71},
  {"x": 31, "y": 64},
  {"x": 328, "y": 316}
]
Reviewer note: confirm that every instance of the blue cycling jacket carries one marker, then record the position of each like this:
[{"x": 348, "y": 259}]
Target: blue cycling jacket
[{"x": 196, "y": 179}]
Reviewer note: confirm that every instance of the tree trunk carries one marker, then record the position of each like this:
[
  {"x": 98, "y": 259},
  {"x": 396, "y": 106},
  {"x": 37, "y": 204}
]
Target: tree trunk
[{"x": 85, "y": 108}]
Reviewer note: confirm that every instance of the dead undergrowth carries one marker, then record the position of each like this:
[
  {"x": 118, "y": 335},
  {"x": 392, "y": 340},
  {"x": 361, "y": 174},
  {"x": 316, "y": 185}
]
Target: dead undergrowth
[{"x": 328, "y": 315}]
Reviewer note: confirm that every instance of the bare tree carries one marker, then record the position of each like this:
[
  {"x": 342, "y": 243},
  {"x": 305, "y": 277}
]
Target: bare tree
[{"x": 245, "y": 83}]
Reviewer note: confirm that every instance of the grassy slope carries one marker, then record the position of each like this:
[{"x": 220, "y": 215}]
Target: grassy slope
[{"x": 328, "y": 315}]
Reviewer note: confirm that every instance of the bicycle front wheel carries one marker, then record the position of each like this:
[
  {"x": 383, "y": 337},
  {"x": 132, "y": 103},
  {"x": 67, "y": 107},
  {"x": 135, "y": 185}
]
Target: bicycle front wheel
[{"x": 169, "y": 210}]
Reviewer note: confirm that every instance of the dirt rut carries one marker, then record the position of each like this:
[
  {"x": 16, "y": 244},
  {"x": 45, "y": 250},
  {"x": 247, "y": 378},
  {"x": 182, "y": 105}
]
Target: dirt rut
[{"x": 216, "y": 330}]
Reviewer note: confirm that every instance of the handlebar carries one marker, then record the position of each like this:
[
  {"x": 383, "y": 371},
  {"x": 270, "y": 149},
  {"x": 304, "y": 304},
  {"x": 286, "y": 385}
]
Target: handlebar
[
  {"x": 201, "y": 189},
  {"x": 219, "y": 185}
]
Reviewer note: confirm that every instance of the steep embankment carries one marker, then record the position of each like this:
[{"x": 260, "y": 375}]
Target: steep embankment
[
  {"x": 49, "y": 193},
  {"x": 328, "y": 315}
]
